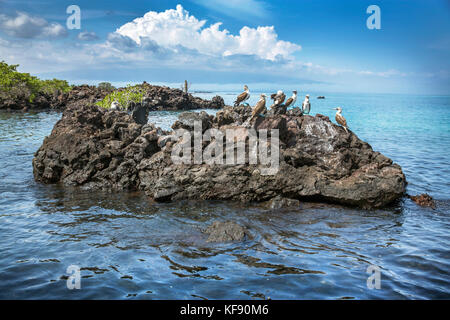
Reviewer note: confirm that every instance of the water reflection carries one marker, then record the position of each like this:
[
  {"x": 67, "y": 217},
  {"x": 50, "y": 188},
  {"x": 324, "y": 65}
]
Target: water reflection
[{"x": 164, "y": 243}]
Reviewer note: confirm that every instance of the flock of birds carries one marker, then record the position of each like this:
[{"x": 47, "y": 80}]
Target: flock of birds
[{"x": 279, "y": 102}]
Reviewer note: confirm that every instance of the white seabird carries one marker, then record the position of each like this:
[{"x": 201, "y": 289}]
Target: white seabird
[
  {"x": 278, "y": 98},
  {"x": 115, "y": 105},
  {"x": 274, "y": 96},
  {"x": 306, "y": 105},
  {"x": 291, "y": 101}
]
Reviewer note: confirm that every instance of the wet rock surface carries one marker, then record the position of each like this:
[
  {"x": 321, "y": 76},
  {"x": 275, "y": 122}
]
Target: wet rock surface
[
  {"x": 318, "y": 160},
  {"x": 424, "y": 200},
  {"x": 226, "y": 231},
  {"x": 280, "y": 202}
]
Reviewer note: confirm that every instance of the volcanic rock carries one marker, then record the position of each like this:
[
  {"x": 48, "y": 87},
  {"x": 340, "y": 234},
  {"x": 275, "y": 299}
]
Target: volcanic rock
[
  {"x": 155, "y": 98},
  {"x": 280, "y": 202},
  {"x": 140, "y": 114},
  {"x": 165, "y": 98},
  {"x": 57, "y": 100},
  {"x": 318, "y": 161},
  {"x": 424, "y": 200},
  {"x": 225, "y": 232}
]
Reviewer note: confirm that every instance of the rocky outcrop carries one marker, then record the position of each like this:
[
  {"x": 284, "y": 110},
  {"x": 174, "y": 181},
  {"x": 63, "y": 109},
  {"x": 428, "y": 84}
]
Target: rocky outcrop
[
  {"x": 57, "y": 100},
  {"x": 140, "y": 114},
  {"x": 80, "y": 95},
  {"x": 318, "y": 160},
  {"x": 155, "y": 98},
  {"x": 95, "y": 148},
  {"x": 232, "y": 115},
  {"x": 186, "y": 120},
  {"x": 165, "y": 98}
]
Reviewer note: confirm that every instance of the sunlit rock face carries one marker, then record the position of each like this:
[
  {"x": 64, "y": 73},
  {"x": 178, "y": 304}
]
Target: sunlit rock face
[{"x": 99, "y": 149}]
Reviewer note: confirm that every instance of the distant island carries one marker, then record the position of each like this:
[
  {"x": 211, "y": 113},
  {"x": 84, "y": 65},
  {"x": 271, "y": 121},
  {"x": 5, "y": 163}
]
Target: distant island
[{"x": 24, "y": 92}]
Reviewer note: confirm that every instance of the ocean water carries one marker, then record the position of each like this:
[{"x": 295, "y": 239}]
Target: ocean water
[{"x": 130, "y": 248}]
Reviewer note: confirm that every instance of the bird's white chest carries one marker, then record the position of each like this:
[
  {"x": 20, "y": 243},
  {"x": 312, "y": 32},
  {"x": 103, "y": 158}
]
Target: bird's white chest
[{"x": 294, "y": 99}]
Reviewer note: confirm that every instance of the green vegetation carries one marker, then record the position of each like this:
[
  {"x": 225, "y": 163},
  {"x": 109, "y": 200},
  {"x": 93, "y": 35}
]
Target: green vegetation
[
  {"x": 15, "y": 85},
  {"x": 123, "y": 97},
  {"x": 55, "y": 85}
]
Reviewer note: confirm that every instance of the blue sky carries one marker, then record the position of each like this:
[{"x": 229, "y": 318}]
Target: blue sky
[{"x": 314, "y": 45}]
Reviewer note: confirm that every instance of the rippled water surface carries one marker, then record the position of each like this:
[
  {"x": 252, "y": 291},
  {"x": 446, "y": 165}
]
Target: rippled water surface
[{"x": 128, "y": 247}]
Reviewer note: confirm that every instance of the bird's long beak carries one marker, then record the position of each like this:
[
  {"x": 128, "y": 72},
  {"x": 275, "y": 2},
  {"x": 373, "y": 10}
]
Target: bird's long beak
[{"x": 335, "y": 109}]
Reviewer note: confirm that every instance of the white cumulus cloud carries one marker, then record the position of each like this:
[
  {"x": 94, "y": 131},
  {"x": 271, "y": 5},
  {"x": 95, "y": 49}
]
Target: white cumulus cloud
[
  {"x": 174, "y": 28},
  {"x": 25, "y": 26}
]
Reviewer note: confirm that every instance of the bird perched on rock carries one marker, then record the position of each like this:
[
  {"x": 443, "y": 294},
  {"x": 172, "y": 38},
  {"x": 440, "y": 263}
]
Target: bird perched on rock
[
  {"x": 244, "y": 96},
  {"x": 115, "y": 105},
  {"x": 278, "y": 98},
  {"x": 277, "y": 107},
  {"x": 306, "y": 105},
  {"x": 274, "y": 96},
  {"x": 259, "y": 107},
  {"x": 291, "y": 101},
  {"x": 340, "y": 118}
]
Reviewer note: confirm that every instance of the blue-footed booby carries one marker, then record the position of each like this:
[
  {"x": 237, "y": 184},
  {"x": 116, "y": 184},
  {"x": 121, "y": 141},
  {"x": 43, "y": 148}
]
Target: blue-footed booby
[
  {"x": 306, "y": 106},
  {"x": 291, "y": 101},
  {"x": 340, "y": 118},
  {"x": 274, "y": 96},
  {"x": 278, "y": 98},
  {"x": 259, "y": 107},
  {"x": 244, "y": 96}
]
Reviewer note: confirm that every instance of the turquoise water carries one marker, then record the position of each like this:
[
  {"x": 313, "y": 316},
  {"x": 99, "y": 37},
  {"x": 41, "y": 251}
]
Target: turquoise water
[{"x": 130, "y": 248}]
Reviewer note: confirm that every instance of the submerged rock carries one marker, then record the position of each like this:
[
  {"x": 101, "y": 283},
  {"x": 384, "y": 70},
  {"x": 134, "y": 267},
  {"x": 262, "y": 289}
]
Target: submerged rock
[
  {"x": 225, "y": 232},
  {"x": 280, "y": 202},
  {"x": 424, "y": 200},
  {"x": 318, "y": 160}
]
